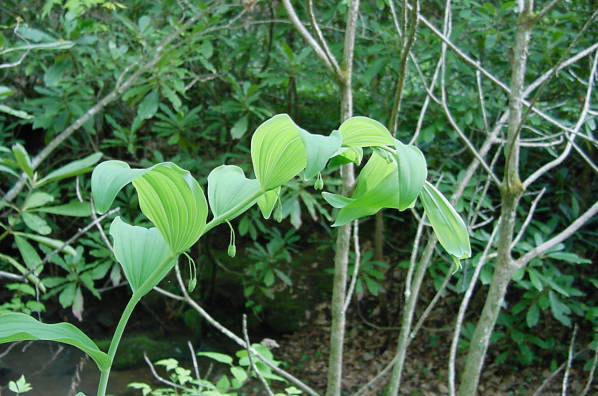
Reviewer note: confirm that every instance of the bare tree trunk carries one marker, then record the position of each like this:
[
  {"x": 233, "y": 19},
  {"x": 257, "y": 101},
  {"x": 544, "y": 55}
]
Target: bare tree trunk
[{"x": 511, "y": 191}]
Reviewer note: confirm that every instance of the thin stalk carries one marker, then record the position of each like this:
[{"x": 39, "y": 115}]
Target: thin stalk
[{"x": 120, "y": 328}]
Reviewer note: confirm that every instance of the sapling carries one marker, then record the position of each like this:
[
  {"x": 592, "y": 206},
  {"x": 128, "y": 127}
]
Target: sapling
[{"x": 174, "y": 202}]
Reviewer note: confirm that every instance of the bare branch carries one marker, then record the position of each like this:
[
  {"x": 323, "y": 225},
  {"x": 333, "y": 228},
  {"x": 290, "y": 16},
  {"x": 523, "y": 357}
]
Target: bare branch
[
  {"x": 546, "y": 10},
  {"x": 250, "y": 356},
  {"x": 463, "y": 309},
  {"x": 569, "y": 362},
  {"x": 9, "y": 275},
  {"x": 560, "y": 237},
  {"x": 309, "y": 38},
  {"x": 322, "y": 41},
  {"x": 193, "y": 359},
  {"x": 586, "y": 388},
  {"x": 357, "y": 251},
  {"x": 235, "y": 338},
  {"x": 158, "y": 377},
  {"x": 570, "y": 139},
  {"x": 528, "y": 219}
]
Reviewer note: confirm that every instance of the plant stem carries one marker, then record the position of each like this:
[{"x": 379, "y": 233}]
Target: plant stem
[{"x": 120, "y": 328}]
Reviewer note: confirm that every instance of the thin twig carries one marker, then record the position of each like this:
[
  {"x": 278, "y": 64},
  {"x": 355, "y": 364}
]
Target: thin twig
[
  {"x": 569, "y": 362},
  {"x": 71, "y": 240},
  {"x": 357, "y": 251},
  {"x": 194, "y": 360},
  {"x": 235, "y": 338},
  {"x": 586, "y": 388},
  {"x": 11, "y": 276},
  {"x": 321, "y": 39},
  {"x": 529, "y": 217},
  {"x": 548, "y": 379},
  {"x": 158, "y": 377},
  {"x": 250, "y": 356}
]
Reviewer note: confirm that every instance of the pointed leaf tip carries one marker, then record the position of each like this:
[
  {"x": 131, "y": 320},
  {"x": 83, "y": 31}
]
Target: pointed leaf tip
[{"x": 448, "y": 226}]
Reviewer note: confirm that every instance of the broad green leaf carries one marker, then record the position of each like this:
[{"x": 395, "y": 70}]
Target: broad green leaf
[
  {"x": 21, "y": 327},
  {"x": 267, "y": 201},
  {"x": 173, "y": 200},
  {"x": 219, "y": 357},
  {"x": 277, "y": 152},
  {"x": 336, "y": 200},
  {"x": 36, "y": 223},
  {"x": 142, "y": 253},
  {"x": 229, "y": 191},
  {"x": 15, "y": 113},
  {"x": 168, "y": 195},
  {"x": 19, "y": 386},
  {"x": 53, "y": 243},
  {"x": 346, "y": 155},
  {"x": 559, "y": 309},
  {"x": 71, "y": 169},
  {"x": 382, "y": 195},
  {"x": 446, "y": 222},
  {"x": 37, "y": 199},
  {"x": 319, "y": 149},
  {"x": 73, "y": 208},
  {"x": 365, "y": 132},
  {"x": 107, "y": 179},
  {"x": 412, "y": 173},
  {"x": 240, "y": 127},
  {"x": 23, "y": 160}
]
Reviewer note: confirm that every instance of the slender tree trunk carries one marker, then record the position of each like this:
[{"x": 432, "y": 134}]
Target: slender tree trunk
[
  {"x": 511, "y": 191},
  {"x": 341, "y": 258}
]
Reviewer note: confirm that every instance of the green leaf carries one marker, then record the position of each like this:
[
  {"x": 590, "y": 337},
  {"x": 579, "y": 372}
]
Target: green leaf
[
  {"x": 148, "y": 106},
  {"x": 71, "y": 169},
  {"x": 446, "y": 222},
  {"x": 336, "y": 200},
  {"x": 73, "y": 208},
  {"x": 533, "y": 315},
  {"x": 24, "y": 271},
  {"x": 67, "y": 295},
  {"x": 365, "y": 132},
  {"x": 559, "y": 310},
  {"x": 142, "y": 253},
  {"x": 173, "y": 200},
  {"x": 6, "y": 169},
  {"x": 19, "y": 386},
  {"x": 412, "y": 173},
  {"x": 219, "y": 357},
  {"x": 29, "y": 254},
  {"x": 53, "y": 243},
  {"x": 346, "y": 155},
  {"x": 37, "y": 199},
  {"x": 36, "y": 223},
  {"x": 240, "y": 127},
  {"x": 168, "y": 195},
  {"x": 267, "y": 201},
  {"x": 277, "y": 152},
  {"x": 21, "y": 327},
  {"x": 377, "y": 187},
  {"x": 107, "y": 179},
  {"x": 229, "y": 190},
  {"x": 239, "y": 374},
  {"x": 15, "y": 113},
  {"x": 23, "y": 159},
  {"x": 319, "y": 149}
]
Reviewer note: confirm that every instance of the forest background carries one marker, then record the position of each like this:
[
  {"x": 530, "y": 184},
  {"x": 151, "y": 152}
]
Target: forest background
[{"x": 499, "y": 96}]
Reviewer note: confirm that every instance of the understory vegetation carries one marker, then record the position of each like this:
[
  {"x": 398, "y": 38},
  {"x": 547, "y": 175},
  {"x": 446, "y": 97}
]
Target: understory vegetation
[{"x": 396, "y": 197}]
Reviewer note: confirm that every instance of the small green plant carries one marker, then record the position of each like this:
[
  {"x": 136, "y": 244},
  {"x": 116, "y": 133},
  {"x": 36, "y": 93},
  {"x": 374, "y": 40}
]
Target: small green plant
[
  {"x": 172, "y": 199},
  {"x": 224, "y": 384},
  {"x": 20, "y": 386}
]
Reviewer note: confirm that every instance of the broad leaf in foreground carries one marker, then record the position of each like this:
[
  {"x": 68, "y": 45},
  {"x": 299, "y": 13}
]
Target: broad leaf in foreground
[
  {"x": 141, "y": 251},
  {"x": 446, "y": 222},
  {"x": 21, "y": 327},
  {"x": 229, "y": 190}
]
